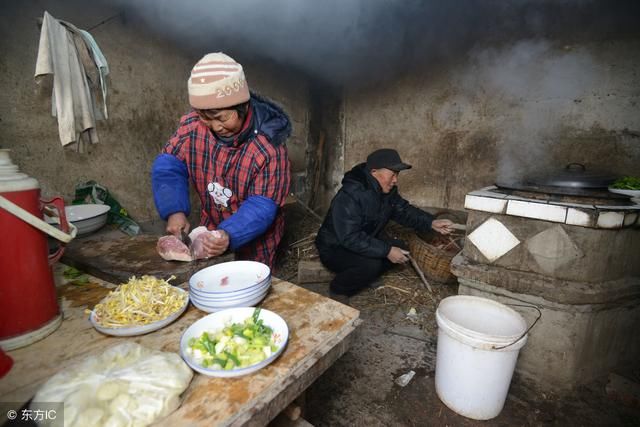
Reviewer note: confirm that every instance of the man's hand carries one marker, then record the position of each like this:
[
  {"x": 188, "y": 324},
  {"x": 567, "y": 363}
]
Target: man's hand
[
  {"x": 442, "y": 226},
  {"x": 176, "y": 223},
  {"x": 397, "y": 255},
  {"x": 215, "y": 246}
]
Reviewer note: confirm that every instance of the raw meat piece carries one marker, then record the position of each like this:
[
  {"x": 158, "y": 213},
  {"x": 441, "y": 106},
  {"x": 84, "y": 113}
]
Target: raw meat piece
[
  {"x": 197, "y": 236},
  {"x": 172, "y": 249}
]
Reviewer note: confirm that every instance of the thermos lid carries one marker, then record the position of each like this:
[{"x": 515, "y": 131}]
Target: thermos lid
[{"x": 11, "y": 179}]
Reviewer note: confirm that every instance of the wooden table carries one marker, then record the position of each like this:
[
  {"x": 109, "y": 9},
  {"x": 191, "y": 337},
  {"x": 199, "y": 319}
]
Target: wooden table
[{"x": 320, "y": 332}]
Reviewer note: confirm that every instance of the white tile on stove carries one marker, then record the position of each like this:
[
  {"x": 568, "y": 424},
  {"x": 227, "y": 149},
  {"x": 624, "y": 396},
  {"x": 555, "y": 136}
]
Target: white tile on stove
[
  {"x": 613, "y": 208},
  {"x": 630, "y": 219},
  {"x": 581, "y": 217},
  {"x": 493, "y": 239},
  {"x": 610, "y": 219},
  {"x": 619, "y": 208},
  {"x": 524, "y": 199},
  {"x": 553, "y": 248},
  {"x": 537, "y": 211},
  {"x": 484, "y": 204},
  {"x": 574, "y": 205},
  {"x": 483, "y": 193}
]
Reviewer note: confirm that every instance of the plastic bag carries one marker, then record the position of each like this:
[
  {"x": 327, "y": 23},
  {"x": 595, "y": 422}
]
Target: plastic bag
[
  {"x": 126, "y": 385},
  {"x": 92, "y": 192}
]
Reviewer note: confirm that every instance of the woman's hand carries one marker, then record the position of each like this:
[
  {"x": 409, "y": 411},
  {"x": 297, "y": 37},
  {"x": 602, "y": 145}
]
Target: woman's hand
[
  {"x": 215, "y": 246},
  {"x": 442, "y": 226},
  {"x": 397, "y": 255},
  {"x": 176, "y": 223}
]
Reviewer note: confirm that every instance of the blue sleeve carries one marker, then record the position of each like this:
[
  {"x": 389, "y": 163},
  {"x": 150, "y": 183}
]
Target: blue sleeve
[
  {"x": 251, "y": 220},
  {"x": 170, "y": 185}
]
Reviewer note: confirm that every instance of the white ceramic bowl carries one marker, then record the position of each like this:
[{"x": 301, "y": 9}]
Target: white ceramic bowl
[
  {"x": 630, "y": 193},
  {"x": 229, "y": 296},
  {"x": 210, "y": 307},
  {"x": 86, "y": 218},
  {"x": 216, "y": 321},
  {"x": 229, "y": 277}
]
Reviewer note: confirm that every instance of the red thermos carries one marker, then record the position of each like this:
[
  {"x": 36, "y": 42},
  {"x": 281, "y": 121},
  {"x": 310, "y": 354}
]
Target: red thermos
[{"x": 28, "y": 304}]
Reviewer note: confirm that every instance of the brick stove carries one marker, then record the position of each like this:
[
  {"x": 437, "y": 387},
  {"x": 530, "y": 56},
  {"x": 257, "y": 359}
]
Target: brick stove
[{"x": 577, "y": 258}]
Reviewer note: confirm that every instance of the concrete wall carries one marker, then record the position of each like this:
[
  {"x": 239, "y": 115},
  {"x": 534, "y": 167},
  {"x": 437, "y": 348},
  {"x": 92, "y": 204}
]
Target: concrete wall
[
  {"x": 507, "y": 111},
  {"x": 147, "y": 96},
  {"x": 570, "y": 345}
]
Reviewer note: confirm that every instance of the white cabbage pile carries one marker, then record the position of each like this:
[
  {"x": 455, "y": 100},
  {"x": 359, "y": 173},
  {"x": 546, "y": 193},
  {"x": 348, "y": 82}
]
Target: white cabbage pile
[{"x": 127, "y": 385}]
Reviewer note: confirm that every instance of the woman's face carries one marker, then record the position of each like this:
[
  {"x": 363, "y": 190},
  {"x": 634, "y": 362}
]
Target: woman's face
[
  {"x": 223, "y": 123},
  {"x": 386, "y": 178}
]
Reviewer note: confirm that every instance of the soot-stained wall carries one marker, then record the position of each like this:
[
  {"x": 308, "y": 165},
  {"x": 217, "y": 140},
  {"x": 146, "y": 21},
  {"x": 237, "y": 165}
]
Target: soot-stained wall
[
  {"x": 502, "y": 111},
  {"x": 147, "y": 96}
]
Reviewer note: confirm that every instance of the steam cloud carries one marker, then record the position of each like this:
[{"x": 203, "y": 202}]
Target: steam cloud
[{"x": 544, "y": 82}]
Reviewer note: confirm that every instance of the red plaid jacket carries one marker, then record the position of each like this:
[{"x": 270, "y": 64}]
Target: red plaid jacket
[{"x": 225, "y": 175}]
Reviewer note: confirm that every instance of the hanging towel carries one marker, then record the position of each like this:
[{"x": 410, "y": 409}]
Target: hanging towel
[
  {"x": 61, "y": 54},
  {"x": 101, "y": 63}
]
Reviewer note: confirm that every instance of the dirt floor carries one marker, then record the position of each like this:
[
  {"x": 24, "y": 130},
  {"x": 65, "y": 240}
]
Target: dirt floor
[{"x": 360, "y": 389}]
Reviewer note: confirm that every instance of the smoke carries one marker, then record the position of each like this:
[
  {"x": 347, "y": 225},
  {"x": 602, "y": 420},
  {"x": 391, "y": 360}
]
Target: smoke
[
  {"x": 545, "y": 82},
  {"x": 361, "y": 42}
]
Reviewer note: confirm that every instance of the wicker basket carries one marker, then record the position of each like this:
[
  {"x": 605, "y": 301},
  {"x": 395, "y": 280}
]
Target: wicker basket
[{"x": 434, "y": 262}]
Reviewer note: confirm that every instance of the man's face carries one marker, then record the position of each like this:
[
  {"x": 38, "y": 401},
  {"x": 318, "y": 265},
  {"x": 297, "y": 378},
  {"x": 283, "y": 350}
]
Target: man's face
[
  {"x": 386, "y": 178},
  {"x": 223, "y": 123}
]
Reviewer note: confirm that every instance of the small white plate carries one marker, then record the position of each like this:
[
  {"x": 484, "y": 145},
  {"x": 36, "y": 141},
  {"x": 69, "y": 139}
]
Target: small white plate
[
  {"x": 217, "y": 321},
  {"x": 213, "y": 307},
  {"x": 630, "y": 193},
  {"x": 229, "y": 277},
  {"x": 141, "y": 329},
  {"x": 227, "y": 297}
]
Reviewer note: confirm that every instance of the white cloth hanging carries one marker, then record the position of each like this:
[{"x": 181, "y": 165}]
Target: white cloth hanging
[
  {"x": 101, "y": 63},
  {"x": 73, "y": 102}
]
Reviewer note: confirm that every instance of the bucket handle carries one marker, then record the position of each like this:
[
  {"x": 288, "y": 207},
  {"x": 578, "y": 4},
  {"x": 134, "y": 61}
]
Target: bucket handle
[{"x": 525, "y": 332}]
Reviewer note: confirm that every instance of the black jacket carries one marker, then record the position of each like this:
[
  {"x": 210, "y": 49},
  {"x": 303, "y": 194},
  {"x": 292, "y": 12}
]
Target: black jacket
[{"x": 359, "y": 213}]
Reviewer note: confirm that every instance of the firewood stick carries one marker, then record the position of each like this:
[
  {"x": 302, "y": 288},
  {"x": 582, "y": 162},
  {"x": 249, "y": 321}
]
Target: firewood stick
[
  {"x": 397, "y": 289},
  {"x": 451, "y": 242},
  {"x": 309, "y": 238},
  {"x": 420, "y": 273}
]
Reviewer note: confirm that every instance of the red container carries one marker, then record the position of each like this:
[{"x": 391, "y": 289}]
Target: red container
[
  {"x": 5, "y": 363},
  {"x": 28, "y": 304}
]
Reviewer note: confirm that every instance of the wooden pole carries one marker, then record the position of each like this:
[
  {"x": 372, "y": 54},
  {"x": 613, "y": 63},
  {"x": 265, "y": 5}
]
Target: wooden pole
[{"x": 420, "y": 273}]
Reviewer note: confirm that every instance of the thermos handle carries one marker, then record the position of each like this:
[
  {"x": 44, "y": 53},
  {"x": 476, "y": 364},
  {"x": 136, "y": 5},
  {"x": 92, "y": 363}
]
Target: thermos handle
[
  {"x": 33, "y": 220},
  {"x": 58, "y": 204}
]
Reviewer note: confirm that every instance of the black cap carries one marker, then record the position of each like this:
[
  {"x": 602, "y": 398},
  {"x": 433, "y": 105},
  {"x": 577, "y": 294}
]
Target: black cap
[{"x": 387, "y": 158}]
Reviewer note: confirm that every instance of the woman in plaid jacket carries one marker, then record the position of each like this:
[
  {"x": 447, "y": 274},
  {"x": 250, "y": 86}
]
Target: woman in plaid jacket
[{"x": 231, "y": 146}]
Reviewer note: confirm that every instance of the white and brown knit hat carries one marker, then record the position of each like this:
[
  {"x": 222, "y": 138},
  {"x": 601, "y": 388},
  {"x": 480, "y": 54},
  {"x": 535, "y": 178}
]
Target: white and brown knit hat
[{"x": 217, "y": 81}]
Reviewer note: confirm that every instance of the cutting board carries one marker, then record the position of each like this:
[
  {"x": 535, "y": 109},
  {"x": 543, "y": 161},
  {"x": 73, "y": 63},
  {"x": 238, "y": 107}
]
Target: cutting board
[{"x": 116, "y": 260}]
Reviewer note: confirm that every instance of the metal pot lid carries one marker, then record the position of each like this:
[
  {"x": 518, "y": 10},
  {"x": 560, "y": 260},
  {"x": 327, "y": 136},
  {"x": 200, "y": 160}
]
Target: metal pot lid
[{"x": 576, "y": 175}]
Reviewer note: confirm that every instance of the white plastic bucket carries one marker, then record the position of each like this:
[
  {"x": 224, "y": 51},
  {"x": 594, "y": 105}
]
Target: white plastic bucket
[{"x": 473, "y": 372}]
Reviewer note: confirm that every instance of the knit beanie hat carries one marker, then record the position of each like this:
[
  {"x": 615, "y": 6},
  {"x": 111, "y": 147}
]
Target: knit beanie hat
[{"x": 217, "y": 81}]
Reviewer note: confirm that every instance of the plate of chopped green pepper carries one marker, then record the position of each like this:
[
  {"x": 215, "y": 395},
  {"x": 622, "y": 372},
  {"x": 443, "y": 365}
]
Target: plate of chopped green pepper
[
  {"x": 628, "y": 185},
  {"x": 234, "y": 342}
]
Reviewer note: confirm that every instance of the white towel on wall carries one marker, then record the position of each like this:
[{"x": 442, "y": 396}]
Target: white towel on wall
[
  {"x": 72, "y": 101},
  {"x": 102, "y": 65}
]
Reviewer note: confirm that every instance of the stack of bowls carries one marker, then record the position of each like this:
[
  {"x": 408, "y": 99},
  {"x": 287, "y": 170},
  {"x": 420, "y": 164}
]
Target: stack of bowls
[{"x": 229, "y": 285}]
